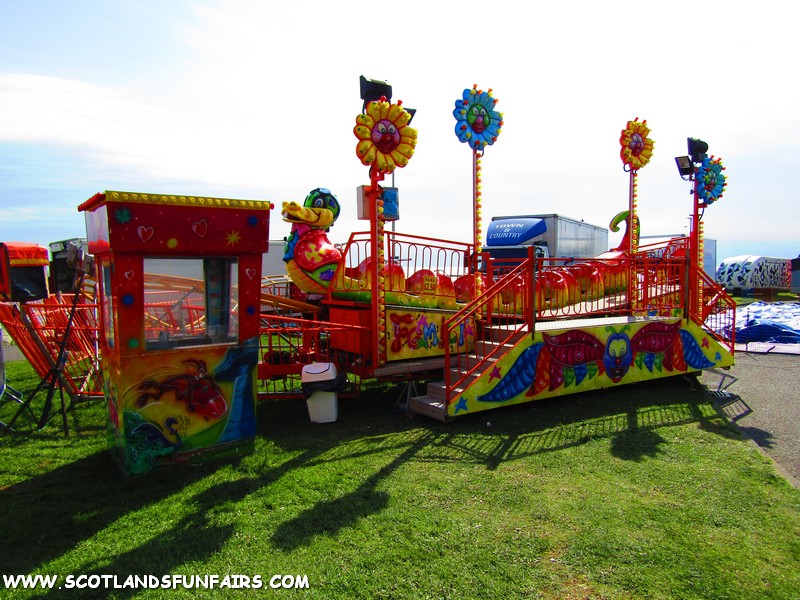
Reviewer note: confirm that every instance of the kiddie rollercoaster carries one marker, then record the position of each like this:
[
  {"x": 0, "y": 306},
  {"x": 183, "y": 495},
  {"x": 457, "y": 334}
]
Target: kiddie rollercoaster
[{"x": 180, "y": 355}]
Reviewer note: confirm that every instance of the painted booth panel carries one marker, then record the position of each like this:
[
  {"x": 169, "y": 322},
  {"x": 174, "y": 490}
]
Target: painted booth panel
[{"x": 170, "y": 406}]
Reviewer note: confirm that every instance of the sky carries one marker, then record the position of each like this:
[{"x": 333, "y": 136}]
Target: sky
[{"x": 257, "y": 99}]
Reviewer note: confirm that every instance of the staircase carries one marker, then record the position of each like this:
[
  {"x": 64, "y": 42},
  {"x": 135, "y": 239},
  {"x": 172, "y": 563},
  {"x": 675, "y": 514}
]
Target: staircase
[
  {"x": 501, "y": 315},
  {"x": 495, "y": 342}
]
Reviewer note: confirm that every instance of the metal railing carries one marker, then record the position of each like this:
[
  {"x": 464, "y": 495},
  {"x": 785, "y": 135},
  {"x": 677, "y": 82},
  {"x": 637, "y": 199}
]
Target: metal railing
[
  {"x": 287, "y": 344},
  {"x": 430, "y": 268},
  {"x": 519, "y": 293},
  {"x": 38, "y": 329},
  {"x": 499, "y": 313},
  {"x": 716, "y": 310}
]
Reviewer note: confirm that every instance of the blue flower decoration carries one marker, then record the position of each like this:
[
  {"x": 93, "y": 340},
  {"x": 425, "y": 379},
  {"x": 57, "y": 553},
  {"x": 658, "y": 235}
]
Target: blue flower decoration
[
  {"x": 477, "y": 122},
  {"x": 710, "y": 180}
]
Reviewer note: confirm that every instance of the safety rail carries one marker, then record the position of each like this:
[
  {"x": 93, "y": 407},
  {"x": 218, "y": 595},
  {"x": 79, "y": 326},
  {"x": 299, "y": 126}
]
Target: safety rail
[
  {"x": 569, "y": 289},
  {"x": 526, "y": 291},
  {"x": 659, "y": 286},
  {"x": 717, "y": 310},
  {"x": 287, "y": 344},
  {"x": 498, "y": 312},
  {"x": 280, "y": 295},
  {"x": 673, "y": 248},
  {"x": 415, "y": 264}
]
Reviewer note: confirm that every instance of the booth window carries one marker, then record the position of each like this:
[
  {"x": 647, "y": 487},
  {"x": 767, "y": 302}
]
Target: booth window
[
  {"x": 107, "y": 304},
  {"x": 190, "y": 301}
]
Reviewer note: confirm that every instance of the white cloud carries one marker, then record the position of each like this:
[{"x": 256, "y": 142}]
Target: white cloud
[{"x": 48, "y": 109}]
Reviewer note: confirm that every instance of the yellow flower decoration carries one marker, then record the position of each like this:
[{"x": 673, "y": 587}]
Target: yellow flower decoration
[
  {"x": 384, "y": 136},
  {"x": 637, "y": 148}
]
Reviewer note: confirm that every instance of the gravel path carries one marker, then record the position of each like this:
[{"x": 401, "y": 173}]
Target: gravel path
[{"x": 765, "y": 403}]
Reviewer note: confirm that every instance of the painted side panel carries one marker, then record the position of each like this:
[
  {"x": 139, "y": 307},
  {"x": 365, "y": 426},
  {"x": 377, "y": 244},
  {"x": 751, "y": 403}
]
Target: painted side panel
[
  {"x": 417, "y": 333},
  {"x": 568, "y": 361}
]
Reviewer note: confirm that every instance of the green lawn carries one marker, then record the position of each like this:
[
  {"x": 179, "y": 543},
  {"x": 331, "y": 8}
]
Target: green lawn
[{"x": 635, "y": 492}]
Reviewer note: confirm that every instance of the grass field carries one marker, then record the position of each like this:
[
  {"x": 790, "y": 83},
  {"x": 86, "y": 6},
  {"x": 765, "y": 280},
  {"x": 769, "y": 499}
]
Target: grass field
[{"x": 634, "y": 492}]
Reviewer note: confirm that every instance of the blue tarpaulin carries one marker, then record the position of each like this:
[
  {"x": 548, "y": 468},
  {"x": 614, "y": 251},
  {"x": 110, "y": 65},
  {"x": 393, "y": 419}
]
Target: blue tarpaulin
[{"x": 777, "y": 322}]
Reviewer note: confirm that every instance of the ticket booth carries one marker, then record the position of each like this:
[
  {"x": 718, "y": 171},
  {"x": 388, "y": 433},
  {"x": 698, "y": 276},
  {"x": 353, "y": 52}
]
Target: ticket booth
[{"x": 179, "y": 301}]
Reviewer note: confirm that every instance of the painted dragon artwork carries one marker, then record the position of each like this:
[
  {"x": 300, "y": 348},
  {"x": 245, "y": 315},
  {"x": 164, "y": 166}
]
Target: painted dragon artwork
[{"x": 179, "y": 408}]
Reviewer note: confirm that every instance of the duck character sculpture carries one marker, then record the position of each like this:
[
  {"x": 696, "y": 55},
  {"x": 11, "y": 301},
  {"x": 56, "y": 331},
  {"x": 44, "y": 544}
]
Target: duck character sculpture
[{"x": 311, "y": 259}]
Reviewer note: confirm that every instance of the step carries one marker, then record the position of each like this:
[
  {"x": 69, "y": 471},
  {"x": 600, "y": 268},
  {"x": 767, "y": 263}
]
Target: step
[
  {"x": 438, "y": 392},
  {"x": 428, "y": 407},
  {"x": 467, "y": 362},
  {"x": 456, "y": 375},
  {"x": 484, "y": 348},
  {"x": 497, "y": 333}
]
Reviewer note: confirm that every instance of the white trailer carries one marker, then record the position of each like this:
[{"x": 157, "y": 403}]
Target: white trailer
[{"x": 554, "y": 236}]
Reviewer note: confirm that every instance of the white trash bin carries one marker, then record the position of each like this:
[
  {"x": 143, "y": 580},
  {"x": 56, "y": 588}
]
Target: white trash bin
[{"x": 319, "y": 384}]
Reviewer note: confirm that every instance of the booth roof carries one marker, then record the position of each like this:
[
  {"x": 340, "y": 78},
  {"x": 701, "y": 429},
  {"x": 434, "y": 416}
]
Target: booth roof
[{"x": 171, "y": 200}]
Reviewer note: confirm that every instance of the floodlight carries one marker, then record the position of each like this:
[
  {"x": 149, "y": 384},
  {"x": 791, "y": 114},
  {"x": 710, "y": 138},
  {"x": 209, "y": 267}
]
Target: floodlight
[
  {"x": 697, "y": 149},
  {"x": 373, "y": 89},
  {"x": 685, "y": 166}
]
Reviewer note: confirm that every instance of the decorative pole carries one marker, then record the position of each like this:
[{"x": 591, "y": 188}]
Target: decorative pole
[
  {"x": 709, "y": 185},
  {"x": 385, "y": 142},
  {"x": 633, "y": 238},
  {"x": 476, "y": 197},
  {"x": 477, "y": 124},
  {"x": 636, "y": 150}
]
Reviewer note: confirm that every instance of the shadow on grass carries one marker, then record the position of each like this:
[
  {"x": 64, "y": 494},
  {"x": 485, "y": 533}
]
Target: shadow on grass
[
  {"x": 195, "y": 537},
  {"x": 636, "y": 444},
  {"x": 627, "y": 415},
  {"x": 330, "y": 516},
  {"x": 49, "y": 515}
]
